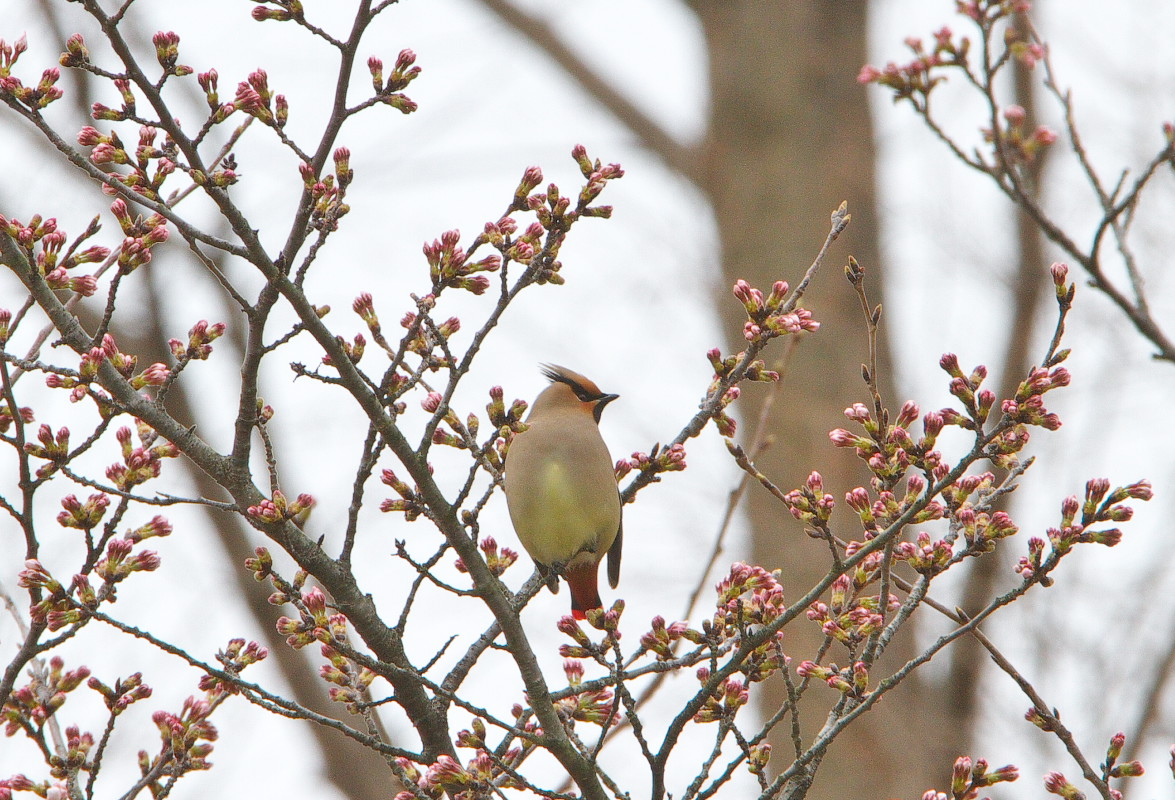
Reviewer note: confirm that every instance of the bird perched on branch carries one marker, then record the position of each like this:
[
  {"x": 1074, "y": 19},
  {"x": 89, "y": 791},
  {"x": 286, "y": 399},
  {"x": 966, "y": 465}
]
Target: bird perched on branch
[{"x": 561, "y": 488}]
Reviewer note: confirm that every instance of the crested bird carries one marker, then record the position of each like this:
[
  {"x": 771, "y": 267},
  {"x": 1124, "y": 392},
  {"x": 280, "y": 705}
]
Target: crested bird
[{"x": 561, "y": 488}]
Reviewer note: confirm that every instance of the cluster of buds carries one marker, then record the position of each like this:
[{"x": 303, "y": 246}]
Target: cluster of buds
[
  {"x": 83, "y": 516},
  {"x": 749, "y": 598},
  {"x": 142, "y": 462},
  {"x": 32, "y": 97},
  {"x": 140, "y": 236},
  {"x": 659, "y": 459},
  {"x": 105, "y": 113},
  {"x": 1017, "y": 141},
  {"x": 149, "y": 165},
  {"x": 327, "y": 193},
  {"x": 810, "y": 504},
  {"x": 87, "y": 373},
  {"x": 748, "y": 595},
  {"x": 210, "y": 84},
  {"x": 852, "y": 681},
  {"x": 987, "y": 12},
  {"x": 54, "y": 448},
  {"x": 916, "y": 79},
  {"x": 353, "y": 350},
  {"x": 262, "y": 568},
  {"x": 977, "y": 402},
  {"x": 282, "y": 10},
  {"x": 531, "y": 178},
  {"x": 498, "y": 560},
  {"x": 61, "y": 608},
  {"x": 424, "y": 336},
  {"x": 186, "y": 740},
  {"x": 755, "y": 371},
  {"x": 75, "y": 757},
  {"x": 35, "y": 702},
  {"x": 890, "y": 451},
  {"x": 597, "y": 706},
  {"x": 233, "y": 659},
  {"x": 255, "y": 99},
  {"x": 662, "y": 638},
  {"x": 876, "y": 515},
  {"x": 199, "y": 344},
  {"x": 56, "y": 608},
  {"x": 539, "y": 245},
  {"x": 121, "y": 561},
  {"x": 474, "y": 738},
  {"x": 967, "y": 779},
  {"x": 390, "y": 91},
  {"x": 364, "y": 307},
  {"x": 722, "y": 421},
  {"x": 448, "y": 265},
  {"x": 1024, "y": 410},
  {"x": 43, "y": 242},
  {"x": 724, "y": 701},
  {"x": 769, "y": 317},
  {"x": 481, "y": 776},
  {"x": 76, "y": 53},
  {"x": 497, "y": 234},
  {"x": 462, "y": 435},
  {"x": 1101, "y": 505},
  {"x": 125, "y": 692},
  {"x": 410, "y": 501},
  {"x": 529, "y": 243},
  {"x": 606, "y": 621},
  {"x": 9, "y": 414},
  {"x": 597, "y": 175},
  {"x": 506, "y": 420},
  {"x": 167, "y": 52},
  {"x": 981, "y": 530},
  {"x": 927, "y": 556},
  {"x": 1112, "y": 768},
  {"x": 849, "y": 616},
  {"x": 314, "y": 624},
  {"x": 279, "y": 508},
  {"x": 1027, "y": 407},
  {"x": 124, "y": 363},
  {"x": 350, "y": 680}
]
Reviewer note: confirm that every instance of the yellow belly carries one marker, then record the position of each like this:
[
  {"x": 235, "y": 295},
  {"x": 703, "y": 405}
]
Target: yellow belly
[{"x": 562, "y": 514}]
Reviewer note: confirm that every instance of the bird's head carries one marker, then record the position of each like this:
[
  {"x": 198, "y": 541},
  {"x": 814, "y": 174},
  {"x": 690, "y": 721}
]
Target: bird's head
[{"x": 569, "y": 389}]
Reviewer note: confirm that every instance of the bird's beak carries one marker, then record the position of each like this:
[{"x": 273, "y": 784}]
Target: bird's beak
[{"x": 598, "y": 408}]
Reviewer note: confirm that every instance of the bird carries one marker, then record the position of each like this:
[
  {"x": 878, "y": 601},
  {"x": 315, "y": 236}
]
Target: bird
[{"x": 561, "y": 488}]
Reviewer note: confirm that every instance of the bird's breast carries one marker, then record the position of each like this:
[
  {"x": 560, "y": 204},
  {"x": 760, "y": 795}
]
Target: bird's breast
[{"x": 562, "y": 496}]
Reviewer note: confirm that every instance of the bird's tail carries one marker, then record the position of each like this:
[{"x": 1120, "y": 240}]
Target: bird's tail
[{"x": 585, "y": 593}]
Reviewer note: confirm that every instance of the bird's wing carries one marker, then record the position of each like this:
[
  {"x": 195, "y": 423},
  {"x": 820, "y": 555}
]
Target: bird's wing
[{"x": 614, "y": 556}]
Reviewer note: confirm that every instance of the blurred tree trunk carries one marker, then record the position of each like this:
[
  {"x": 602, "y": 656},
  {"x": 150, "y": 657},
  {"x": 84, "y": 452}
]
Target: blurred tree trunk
[
  {"x": 1029, "y": 287},
  {"x": 790, "y": 138}
]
